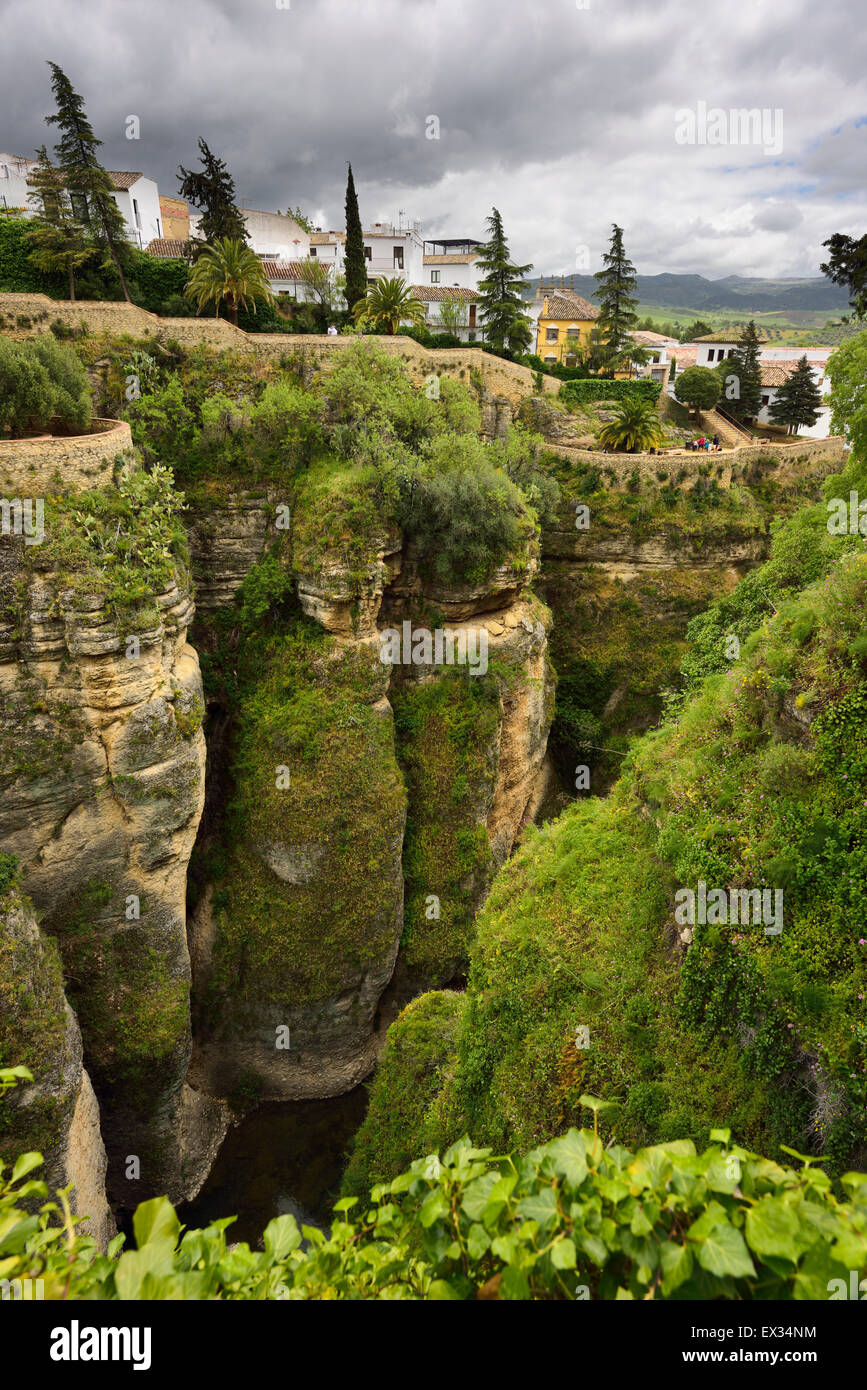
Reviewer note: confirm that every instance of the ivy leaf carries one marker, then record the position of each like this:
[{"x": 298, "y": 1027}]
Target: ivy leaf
[
  {"x": 155, "y": 1220},
  {"x": 676, "y": 1265},
  {"x": 569, "y": 1156},
  {"x": 723, "y": 1252},
  {"x": 772, "y": 1228},
  {"x": 514, "y": 1284},
  {"x": 563, "y": 1254},
  {"x": 282, "y": 1236},
  {"x": 478, "y": 1241},
  {"x": 25, "y": 1164},
  {"x": 432, "y": 1208}
]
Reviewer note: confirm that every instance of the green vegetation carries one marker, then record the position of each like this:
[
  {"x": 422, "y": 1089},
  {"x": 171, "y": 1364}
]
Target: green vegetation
[
  {"x": 501, "y": 291},
  {"x": 388, "y": 303},
  {"x": 604, "y": 389},
  {"x": 698, "y": 387},
  {"x": 228, "y": 272},
  {"x": 764, "y": 1034},
  {"x": 617, "y": 300},
  {"x": 90, "y": 187},
  {"x": 355, "y": 263},
  {"x": 798, "y": 400},
  {"x": 212, "y": 189},
  {"x": 636, "y": 427},
  {"x": 124, "y": 544},
  {"x": 41, "y": 382},
  {"x": 567, "y": 1220}
]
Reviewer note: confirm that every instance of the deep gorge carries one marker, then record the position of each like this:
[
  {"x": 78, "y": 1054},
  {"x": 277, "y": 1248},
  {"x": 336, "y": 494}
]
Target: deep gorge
[{"x": 227, "y": 943}]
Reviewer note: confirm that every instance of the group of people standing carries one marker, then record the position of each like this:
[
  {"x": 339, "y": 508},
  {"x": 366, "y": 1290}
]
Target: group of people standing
[{"x": 711, "y": 445}]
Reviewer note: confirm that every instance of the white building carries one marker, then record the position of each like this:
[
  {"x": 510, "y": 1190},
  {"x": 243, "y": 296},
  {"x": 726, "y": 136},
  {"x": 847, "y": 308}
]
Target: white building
[
  {"x": 434, "y": 296},
  {"x": 272, "y": 235},
  {"x": 14, "y": 169},
  {"x": 136, "y": 196},
  {"x": 451, "y": 262},
  {"x": 777, "y": 366}
]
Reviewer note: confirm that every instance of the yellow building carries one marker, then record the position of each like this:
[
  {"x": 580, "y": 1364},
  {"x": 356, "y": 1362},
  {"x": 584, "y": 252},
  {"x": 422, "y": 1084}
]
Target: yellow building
[{"x": 565, "y": 323}]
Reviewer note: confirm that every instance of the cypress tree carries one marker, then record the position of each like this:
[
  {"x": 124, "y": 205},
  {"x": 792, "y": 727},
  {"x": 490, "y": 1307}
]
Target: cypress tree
[
  {"x": 617, "y": 300},
  {"x": 212, "y": 189},
  {"x": 355, "y": 265},
  {"x": 55, "y": 234},
  {"x": 90, "y": 188},
  {"x": 501, "y": 292},
  {"x": 744, "y": 395},
  {"x": 798, "y": 401}
]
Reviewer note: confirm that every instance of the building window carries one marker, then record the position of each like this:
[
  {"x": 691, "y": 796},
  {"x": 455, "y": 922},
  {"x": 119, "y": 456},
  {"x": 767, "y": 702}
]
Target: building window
[
  {"x": 135, "y": 213},
  {"x": 550, "y": 358},
  {"x": 434, "y": 277},
  {"x": 571, "y": 359},
  {"x": 766, "y": 400},
  {"x": 471, "y": 337},
  {"x": 551, "y": 336},
  {"x": 368, "y": 253},
  {"x": 572, "y": 331},
  {"x": 711, "y": 354},
  {"x": 313, "y": 250},
  {"x": 398, "y": 258}
]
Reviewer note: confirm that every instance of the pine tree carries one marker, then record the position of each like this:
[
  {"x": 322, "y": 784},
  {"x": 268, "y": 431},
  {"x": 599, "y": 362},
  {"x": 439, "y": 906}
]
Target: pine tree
[
  {"x": 90, "y": 188},
  {"x": 798, "y": 401},
  {"x": 212, "y": 189},
  {"x": 55, "y": 234},
  {"x": 355, "y": 264},
  {"x": 501, "y": 290},
  {"x": 617, "y": 301},
  {"x": 742, "y": 376}
]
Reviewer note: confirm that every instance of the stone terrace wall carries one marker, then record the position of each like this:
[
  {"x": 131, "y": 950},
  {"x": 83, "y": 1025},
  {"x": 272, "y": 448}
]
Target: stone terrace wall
[
  {"x": 729, "y": 463},
  {"x": 501, "y": 378},
  {"x": 34, "y": 467}
]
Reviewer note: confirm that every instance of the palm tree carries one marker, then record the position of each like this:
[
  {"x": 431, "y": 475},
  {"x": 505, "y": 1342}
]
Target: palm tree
[
  {"x": 636, "y": 427},
  {"x": 228, "y": 270},
  {"x": 389, "y": 303}
]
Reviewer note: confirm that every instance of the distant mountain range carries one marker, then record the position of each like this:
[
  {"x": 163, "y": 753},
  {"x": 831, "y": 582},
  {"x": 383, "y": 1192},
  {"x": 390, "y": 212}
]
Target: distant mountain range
[{"x": 742, "y": 293}]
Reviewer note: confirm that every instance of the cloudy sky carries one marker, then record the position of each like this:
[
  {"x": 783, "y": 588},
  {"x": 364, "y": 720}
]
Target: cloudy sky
[{"x": 566, "y": 114}]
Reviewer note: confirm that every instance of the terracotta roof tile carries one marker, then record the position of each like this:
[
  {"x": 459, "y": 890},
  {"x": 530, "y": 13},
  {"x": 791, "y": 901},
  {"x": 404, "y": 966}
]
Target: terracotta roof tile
[
  {"x": 167, "y": 247},
  {"x": 435, "y": 294},
  {"x": 732, "y": 338},
  {"x": 564, "y": 306},
  {"x": 122, "y": 178},
  {"x": 282, "y": 270}
]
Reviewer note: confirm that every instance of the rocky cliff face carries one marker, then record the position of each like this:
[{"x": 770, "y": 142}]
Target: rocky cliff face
[
  {"x": 58, "y": 1114},
  {"x": 103, "y": 771},
  {"x": 296, "y": 942}
]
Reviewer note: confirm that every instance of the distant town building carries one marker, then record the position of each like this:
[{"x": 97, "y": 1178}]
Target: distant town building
[
  {"x": 175, "y": 213},
  {"x": 136, "y": 195},
  {"x": 565, "y": 322}
]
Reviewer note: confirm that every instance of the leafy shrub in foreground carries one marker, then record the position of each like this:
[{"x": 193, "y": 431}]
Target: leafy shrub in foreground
[{"x": 568, "y": 1220}]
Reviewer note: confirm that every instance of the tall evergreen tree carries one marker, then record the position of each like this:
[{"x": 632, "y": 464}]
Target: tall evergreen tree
[
  {"x": 90, "y": 188},
  {"x": 212, "y": 190},
  {"x": 798, "y": 401},
  {"x": 56, "y": 235},
  {"x": 617, "y": 300},
  {"x": 500, "y": 292},
  {"x": 743, "y": 395},
  {"x": 355, "y": 265},
  {"x": 847, "y": 265}
]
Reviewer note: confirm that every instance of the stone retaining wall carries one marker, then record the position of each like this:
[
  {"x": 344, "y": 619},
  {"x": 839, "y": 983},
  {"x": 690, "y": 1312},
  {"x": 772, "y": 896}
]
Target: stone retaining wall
[
  {"x": 35, "y": 467},
  {"x": 317, "y": 350},
  {"x": 788, "y": 459}
]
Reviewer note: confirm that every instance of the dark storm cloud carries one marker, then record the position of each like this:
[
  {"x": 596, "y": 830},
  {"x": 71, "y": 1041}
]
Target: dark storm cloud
[{"x": 563, "y": 117}]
